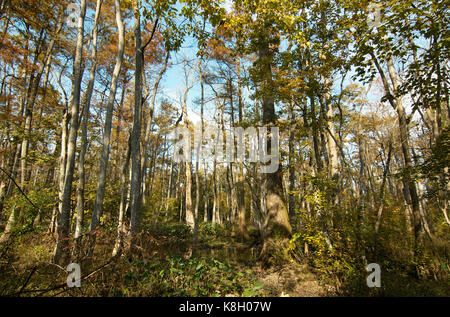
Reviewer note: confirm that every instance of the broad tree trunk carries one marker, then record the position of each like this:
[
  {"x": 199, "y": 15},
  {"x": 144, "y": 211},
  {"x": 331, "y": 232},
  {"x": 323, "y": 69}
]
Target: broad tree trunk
[{"x": 276, "y": 222}]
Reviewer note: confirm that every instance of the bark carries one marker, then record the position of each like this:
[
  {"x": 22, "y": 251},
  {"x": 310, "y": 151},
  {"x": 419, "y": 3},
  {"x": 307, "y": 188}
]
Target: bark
[
  {"x": 148, "y": 126},
  {"x": 331, "y": 135},
  {"x": 85, "y": 118},
  {"x": 383, "y": 185},
  {"x": 291, "y": 145},
  {"x": 197, "y": 151},
  {"x": 121, "y": 232},
  {"x": 277, "y": 220},
  {"x": 61, "y": 249},
  {"x": 135, "y": 196},
  {"x": 242, "y": 231},
  {"x": 169, "y": 189},
  {"x": 206, "y": 215},
  {"x": 97, "y": 212},
  {"x": 216, "y": 208},
  {"x": 189, "y": 218}
]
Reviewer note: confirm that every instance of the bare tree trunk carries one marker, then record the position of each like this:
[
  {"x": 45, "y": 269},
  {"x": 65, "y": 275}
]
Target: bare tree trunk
[
  {"x": 242, "y": 232},
  {"x": 190, "y": 221},
  {"x": 61, "y": 249},
  {"x": 205, "y": 214},
  {"x": 404, "y": 138},
  {"x": 169, "y": 189},
  {"x": 381, "y": 203},
  {"x": 291, "y": 195},
  {"x": 98, "y": 204},
  {"x": 148, "y": 126},
  {"x": 121, "y": 232},
  {"x": 215, "y": 211},
  {"x": 135, "y": 197},
  {"x": 331, "y": 137},
  {"x": 62, "y": 170},
  {"x": 85, "y": 118},
  {"x": 315, "y": 137},
  {"x": 197, "y": 151}
]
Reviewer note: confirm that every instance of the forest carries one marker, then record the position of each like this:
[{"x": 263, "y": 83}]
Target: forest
[{"x": 224, "y": 148}]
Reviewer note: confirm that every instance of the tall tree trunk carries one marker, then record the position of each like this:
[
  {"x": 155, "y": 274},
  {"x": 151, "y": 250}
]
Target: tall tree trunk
[
  {"x": 98, "y": 204},
  {"x": 276, "y": 222},
  {"x": 315, "y": 136},
  {"x": 190, "y": 220},
  {"x": 135, "y": 197},
  {"x": 383, "y": 185},
  {"x": 169, "y": 189},
  {"x": 331, "y": 135},
  {"x": 291, "y": 145},
  {"x": 86, "y": 101},
  {"x": 61, "y": 249},
  {"x": 242, "y": 231},
  {"x": 149, "y": 122},
  {"x": 216, "y": 210}
]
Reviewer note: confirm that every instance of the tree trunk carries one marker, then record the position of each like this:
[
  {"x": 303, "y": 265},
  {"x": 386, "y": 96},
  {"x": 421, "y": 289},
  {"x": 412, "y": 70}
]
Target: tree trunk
[
  {"x": 135, "y": 197},
  {"x": 97, "y": 212},
  {"x": 121, "y": 232},
  {"x": 85, "y": 118},
  {"x": 190, "y": 220},
  {"x": 61, "y": 249},
  {"x": 276, "y": 222}
]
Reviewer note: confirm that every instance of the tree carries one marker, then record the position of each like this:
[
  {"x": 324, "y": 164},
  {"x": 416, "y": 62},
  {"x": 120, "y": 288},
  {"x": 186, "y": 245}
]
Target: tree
[
  {"x": 97, "y": 212},
  {"x": 61, "y": 251}
]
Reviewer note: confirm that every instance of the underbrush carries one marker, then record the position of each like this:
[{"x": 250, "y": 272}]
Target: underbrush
[
  {"x": 340, "y": 258},
  {"x": 177, "y": 231},
  {"x": 177, "y": 276},
  {"x": 207, "y": 230},
  {"x": 161, "y": 269}
]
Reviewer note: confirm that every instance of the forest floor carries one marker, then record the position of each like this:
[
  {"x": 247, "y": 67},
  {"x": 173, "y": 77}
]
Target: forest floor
[
  {"x": 289, "y": 280},
  {"x": 168, "y": 265}
]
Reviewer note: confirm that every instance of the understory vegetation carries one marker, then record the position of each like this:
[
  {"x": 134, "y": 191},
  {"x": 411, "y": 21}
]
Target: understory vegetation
[{"x": 168, "y": 263}]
